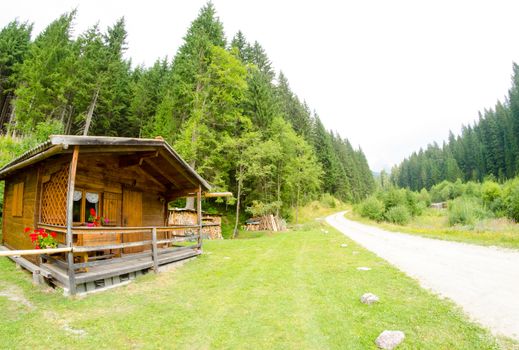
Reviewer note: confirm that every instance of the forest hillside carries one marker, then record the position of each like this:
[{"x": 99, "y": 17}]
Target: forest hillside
[
  {"x": 219, "y": 102},
  {"x": 488, "y": 148}
]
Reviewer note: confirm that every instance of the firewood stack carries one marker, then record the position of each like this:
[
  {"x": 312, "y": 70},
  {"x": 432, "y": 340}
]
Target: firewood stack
[{"x": 265, "y": 223}]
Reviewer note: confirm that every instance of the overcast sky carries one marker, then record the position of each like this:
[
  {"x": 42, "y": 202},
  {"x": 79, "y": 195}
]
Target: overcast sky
[{"x": 391, "y": 76}]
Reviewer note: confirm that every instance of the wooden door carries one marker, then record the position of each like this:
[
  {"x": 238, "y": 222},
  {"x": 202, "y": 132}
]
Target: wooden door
[{"x": 132, "y": 217}]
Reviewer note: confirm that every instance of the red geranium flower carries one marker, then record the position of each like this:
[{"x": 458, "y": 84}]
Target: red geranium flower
[
  {"x": 34, "y": 236},
  {"x": 44, "y": 235},
  {"x": 27, "y": 229},
  {"x": 53, "y": 234},
  {"x": 92, "y": 212},
  {"x": 37, "y": 247}
]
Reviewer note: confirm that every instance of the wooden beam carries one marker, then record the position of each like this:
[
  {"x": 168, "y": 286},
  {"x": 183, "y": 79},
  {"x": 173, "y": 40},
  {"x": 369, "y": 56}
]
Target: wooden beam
[
  {"x": 70, "y": 204},
  {"x": 136, "y": 159},
  {"x": 162, "y": 172},
  {"x": 155, "y": 255},
  {"x": 153, "y": 179},
  {"x": 34, "y": 251},
  {"x": 179, "y": 193},
  {"x": 34, "y": 159},
  {"x": 216, "y": 194},
  {"x": 178, "y": 167},
  {"x": 83, "y": 249},
  {"x": 199, "y": 214}
]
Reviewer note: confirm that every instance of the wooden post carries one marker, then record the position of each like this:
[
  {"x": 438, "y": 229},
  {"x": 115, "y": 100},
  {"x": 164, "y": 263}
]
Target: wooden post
[
  {"x": 155, "y": 253},
  {"x": 70, "y": 204},
  {"x": 199, "y": 215}
]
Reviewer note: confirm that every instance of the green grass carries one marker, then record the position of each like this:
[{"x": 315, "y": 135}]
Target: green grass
[
  {"x": 434, "y": 224},
  {"x": 295, "y": 290}
]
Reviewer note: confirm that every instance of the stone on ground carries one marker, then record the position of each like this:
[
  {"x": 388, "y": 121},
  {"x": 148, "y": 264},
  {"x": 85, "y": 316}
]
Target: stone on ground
[
  {"x": 369, "y": 298},
  {"x": 344, "y": 245},
  {"x": 388, "y": 340},
  {"x": 363, "y": 268}
]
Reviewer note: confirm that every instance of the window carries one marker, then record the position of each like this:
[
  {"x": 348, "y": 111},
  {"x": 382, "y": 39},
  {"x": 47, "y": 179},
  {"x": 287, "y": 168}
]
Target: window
[
  {"x": 83, "y": 202},
  {"x": 18, "y": 199}
]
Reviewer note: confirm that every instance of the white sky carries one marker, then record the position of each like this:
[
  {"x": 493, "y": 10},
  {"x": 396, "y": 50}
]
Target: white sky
[{"x": 392, "y": 76}]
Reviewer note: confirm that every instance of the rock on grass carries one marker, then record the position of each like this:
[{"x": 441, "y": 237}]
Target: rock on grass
[
  {"x": 369, "y": 298},
  {"x": 388, "y": 340}
]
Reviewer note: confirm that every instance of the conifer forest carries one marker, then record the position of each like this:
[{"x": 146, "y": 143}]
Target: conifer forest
[{"x": 218, "y": 102}]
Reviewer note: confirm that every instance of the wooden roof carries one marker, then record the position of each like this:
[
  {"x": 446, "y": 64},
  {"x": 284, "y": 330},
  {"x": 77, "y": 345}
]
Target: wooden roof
[{"x": 155, "y": 155}]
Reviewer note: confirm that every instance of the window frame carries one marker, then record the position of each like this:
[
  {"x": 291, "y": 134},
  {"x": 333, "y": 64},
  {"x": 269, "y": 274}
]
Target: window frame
[{"x": 82, "y": 211}]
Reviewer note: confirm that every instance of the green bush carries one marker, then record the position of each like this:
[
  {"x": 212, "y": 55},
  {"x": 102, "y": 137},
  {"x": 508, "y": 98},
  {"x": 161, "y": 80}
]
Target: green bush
[
  {"x": 491, "y": 194},
  {"x": 371, "y": 208},
  {"x": 511, "y": 199},
  {"x": 393, "y": 197},
  {"x": 424, "y": 197},
  {"x": 472, "y": 189},
  {"x": 328, "y": 201},
  {"x": 399, "y": 215},
  {"x": 466, "y": 211}
]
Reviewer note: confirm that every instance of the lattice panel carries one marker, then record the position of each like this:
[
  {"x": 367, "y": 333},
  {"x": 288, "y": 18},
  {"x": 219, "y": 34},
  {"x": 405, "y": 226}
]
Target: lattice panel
[{"x": 54, "y": 199}]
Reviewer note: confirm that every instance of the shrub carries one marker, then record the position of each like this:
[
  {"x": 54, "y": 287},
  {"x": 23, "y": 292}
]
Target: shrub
[
  {"x": 414, "y": 206},
  {"x": 490, "y": 191},
  {"x": 399, "y": 215},
  {"x": 511, "y": 199},
  {"x": 491, "y": 195},
  {"x": 328, "y": 201},
  {"x": 393, "y": 197},
  {"x": 466, "y": 210},
  {"x": 473, "y": 189},
  {"x": 442, "y": 191},
  {"x": 424, "y": 197},
  {"x": 371, "y": 208}
]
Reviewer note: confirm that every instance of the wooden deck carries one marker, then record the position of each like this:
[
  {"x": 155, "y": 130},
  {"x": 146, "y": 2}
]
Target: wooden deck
[{"x": 118, "y": 271}]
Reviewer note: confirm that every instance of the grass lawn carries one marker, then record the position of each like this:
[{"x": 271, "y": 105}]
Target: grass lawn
[
  {"x": 434, "y": 224},
  {"x": 295, "y": 290}
]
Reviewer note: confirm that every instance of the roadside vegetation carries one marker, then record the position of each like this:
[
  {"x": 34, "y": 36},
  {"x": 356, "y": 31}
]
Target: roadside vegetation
[
  {"x": 293, "y": 290},
  {"x": 482, "y": 213}
]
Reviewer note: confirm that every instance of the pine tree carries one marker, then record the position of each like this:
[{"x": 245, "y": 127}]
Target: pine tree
[{"x": 14, "y": 45}]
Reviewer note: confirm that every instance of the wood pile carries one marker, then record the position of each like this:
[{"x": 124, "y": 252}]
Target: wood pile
[
  {"x": 440, "y": 205},
  {"x": 265, "y": 223},
  {"x": 189, "y": 217}
]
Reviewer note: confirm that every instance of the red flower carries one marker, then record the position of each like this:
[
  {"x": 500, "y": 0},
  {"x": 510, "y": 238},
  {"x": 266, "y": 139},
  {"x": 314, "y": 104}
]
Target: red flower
[
  {"x": 27, "y": 229},
  {"x": 92, "y": 212},
  {"x": 53, "y": 234},
  {"x": 44, "y": 235},
  {"x": 40, "y": 230},
  {"x": 34, "y": 237},
  {"x": 37, "y": 247}
]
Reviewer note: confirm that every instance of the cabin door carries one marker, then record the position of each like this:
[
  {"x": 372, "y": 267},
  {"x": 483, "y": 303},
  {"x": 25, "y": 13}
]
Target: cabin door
[{"x": 132, "y": 217}]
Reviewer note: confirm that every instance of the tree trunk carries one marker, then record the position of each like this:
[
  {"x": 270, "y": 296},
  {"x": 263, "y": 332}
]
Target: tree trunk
[
  {"x": 190, "y": 201},
  {"x": 90, "y": 112},
  {"x": 297, "y": 205},
  {"x": 12, "y": 118},
  {"x": 238, "y": 202},
  {"x": 278, "y": 195}
]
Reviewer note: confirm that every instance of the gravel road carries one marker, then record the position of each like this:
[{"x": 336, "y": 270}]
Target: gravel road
[{"x": 484, "y": 281}]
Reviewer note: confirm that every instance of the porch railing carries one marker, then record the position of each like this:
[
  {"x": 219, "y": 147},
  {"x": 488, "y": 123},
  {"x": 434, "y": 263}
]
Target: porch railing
[{"x": 158, "y": 246}]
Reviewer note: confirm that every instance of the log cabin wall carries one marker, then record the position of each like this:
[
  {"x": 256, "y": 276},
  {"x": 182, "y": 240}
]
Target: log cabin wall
[
  {"x": 103, "y": 174},
  {"x": 21, "y": 207},
  {"x": 153, "y": 209}
]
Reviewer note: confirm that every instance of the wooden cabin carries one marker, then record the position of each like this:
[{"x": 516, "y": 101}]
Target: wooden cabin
[{"x": 127, "y": 181}]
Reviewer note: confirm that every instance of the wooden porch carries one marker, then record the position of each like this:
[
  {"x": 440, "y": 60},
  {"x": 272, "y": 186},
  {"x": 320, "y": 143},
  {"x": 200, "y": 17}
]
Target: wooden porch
[{"x": 100, "y": 260}]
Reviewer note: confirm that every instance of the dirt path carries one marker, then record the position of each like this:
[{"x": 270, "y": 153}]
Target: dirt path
[{"x": 484, "y": 281}]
